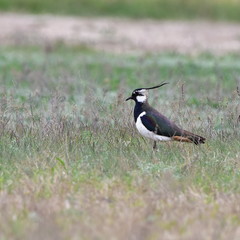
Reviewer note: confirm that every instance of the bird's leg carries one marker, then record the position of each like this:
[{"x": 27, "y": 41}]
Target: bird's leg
[{"x": 154, "y": 145}]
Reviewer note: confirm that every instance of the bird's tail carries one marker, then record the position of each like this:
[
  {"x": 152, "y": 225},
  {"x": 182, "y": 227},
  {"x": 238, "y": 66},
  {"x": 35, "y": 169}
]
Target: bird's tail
[
  {"x": 194, "y": 138},
  {"x": 190, "y": 137}
]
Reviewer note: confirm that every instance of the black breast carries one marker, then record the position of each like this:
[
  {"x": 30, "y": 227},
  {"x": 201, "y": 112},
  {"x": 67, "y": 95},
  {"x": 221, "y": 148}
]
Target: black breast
[{"x": 137, "y": 110}]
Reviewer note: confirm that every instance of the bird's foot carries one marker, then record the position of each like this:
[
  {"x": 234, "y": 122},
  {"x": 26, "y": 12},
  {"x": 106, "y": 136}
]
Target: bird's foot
[{"x": 154, "y": 145}]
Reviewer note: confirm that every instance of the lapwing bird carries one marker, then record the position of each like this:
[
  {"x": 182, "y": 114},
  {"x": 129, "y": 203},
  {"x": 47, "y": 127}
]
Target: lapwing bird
[{"x": 152, "y": 124}]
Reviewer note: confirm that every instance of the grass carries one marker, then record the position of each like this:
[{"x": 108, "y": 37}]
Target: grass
[
  {"x": 160, "y": 9},
  {"x": 74, "y": 167}
]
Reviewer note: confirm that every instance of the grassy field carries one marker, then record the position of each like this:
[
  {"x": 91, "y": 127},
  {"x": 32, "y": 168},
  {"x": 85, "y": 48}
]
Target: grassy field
[
  {"x": 161, "y": 9},
  {"x": 74, "y": 167}
]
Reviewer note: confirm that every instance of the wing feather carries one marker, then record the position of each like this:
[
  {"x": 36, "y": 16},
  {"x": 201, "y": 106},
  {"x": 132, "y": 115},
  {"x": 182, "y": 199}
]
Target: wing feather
[{"x": 160, "y": 125}]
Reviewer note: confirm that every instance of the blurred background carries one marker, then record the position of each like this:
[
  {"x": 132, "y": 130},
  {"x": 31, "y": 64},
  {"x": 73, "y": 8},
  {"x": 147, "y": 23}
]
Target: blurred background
[
  {"x": 185, "y": 26},
  {"x": 159, "y": 9}
]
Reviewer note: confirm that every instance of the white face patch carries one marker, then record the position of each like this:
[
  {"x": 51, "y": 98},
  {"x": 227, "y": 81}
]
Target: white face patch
[
  {"x": 141, "y": 98},
  {"x": 146, "y": 133}
]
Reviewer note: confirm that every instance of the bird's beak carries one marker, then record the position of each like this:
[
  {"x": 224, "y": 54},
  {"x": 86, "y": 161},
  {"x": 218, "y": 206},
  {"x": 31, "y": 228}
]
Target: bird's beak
[{"x": 128, "y": 98}]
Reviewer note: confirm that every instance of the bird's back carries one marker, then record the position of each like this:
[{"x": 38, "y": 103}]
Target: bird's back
[
  {"x": 161, "y": 125},
  {"x": 164, "y": 126}
]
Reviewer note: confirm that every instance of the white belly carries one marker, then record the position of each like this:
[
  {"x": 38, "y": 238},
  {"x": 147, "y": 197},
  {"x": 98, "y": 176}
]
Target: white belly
[{"x": 146, "y": 133}]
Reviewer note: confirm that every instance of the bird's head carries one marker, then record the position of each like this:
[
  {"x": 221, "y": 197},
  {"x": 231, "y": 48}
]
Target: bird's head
[{"x": 141, "y": 94}]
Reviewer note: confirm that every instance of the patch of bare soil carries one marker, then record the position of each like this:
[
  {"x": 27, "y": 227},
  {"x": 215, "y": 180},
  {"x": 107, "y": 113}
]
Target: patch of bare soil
[{"x": 121, "y": 35}]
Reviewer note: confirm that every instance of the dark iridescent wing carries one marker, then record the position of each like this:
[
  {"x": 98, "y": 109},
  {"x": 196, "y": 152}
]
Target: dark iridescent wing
[
  {"x": 155, "y": 122},
  {"x": 159, "y": 124}
]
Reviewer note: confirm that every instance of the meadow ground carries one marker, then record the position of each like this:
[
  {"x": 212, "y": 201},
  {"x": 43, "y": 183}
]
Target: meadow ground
[{"x": 72, "y": 165}]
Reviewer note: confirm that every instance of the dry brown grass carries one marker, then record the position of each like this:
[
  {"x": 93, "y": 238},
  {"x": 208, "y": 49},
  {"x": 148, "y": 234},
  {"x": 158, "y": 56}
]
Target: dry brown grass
[{"x": 113, "y": 210}]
